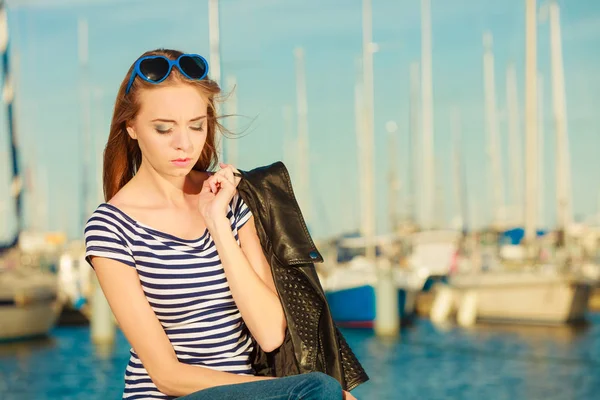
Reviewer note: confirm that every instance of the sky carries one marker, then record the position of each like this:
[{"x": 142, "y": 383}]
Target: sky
[{"x": 258, "y": 38}]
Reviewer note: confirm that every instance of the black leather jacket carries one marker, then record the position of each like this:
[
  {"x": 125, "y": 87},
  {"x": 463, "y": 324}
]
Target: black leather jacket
[{"x": 312, "y": 341}]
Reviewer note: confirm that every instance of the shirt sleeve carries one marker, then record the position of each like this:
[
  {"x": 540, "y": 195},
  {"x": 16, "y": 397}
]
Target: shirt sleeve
[
  {"x": 241, "y": 213},
  {"x": 103, "y": 239}
]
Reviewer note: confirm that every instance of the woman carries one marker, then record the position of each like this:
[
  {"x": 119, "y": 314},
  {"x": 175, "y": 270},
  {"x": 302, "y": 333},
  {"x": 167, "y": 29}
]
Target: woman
[{"x": 176, "y": 251}]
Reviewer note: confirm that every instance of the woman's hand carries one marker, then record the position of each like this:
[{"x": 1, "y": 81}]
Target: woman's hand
[
  {"x": 217, "y": 192},
  {"x": 348, "y": 396}
]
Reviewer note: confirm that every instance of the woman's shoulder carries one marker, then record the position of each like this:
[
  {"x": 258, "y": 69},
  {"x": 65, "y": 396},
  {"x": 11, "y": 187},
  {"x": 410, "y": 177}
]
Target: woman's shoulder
[
  {"x": 101, "y": 209},
  {"x": 105, "y": 217},
  {"x": 105, "y": 235},
  {"x": 128, "y": 194},
  {"x": 127, "y": 202}
]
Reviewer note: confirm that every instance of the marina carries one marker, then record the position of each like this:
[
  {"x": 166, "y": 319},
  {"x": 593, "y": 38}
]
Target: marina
[{"x": 460, "y": 259}]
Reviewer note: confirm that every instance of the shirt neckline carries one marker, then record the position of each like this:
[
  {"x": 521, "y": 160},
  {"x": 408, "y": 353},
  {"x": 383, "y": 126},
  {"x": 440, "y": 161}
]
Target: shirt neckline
[{"x": 153, "y": 230}]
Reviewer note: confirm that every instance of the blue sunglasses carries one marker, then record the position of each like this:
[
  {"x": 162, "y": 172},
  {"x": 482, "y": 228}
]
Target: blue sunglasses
[{"x": 155, "y": 69}]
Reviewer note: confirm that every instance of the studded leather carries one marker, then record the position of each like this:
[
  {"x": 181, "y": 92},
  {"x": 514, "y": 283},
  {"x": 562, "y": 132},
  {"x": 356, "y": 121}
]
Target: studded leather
[{"x": 312, "y": 341}]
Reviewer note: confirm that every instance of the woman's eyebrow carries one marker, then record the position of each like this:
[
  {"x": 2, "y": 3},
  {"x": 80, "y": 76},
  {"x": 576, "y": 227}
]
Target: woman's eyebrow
[
  {"x": 173, "y": 121},
  {"x": 198, "y": 118}
]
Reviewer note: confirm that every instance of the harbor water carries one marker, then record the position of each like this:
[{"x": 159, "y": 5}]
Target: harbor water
[{"x": 426, "y": 362}]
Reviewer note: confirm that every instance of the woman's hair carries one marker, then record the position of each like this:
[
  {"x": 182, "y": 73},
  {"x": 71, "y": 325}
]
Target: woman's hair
[{"x": 122, "y": 155}]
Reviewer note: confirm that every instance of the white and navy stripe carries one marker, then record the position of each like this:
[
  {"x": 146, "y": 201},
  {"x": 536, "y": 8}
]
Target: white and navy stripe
[{"x": 185, "y": 285}]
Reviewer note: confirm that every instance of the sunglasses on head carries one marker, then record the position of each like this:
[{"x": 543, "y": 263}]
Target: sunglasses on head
[{"x": 155, "y": 69}]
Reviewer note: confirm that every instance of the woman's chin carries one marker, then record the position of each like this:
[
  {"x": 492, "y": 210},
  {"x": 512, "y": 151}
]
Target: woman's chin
[{"x": 178, "y": 172}]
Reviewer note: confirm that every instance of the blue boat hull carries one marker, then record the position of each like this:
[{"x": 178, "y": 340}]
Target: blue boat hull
[{"x": 355, "y": 307}]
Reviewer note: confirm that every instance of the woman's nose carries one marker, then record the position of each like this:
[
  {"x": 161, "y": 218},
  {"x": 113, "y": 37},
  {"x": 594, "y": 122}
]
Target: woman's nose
[{"x": 182, "y": 140}]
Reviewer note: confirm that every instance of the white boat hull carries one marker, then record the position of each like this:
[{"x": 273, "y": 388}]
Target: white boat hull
[
  {"x": 29, "y": 303},
  {"x": 27, "y": 321},
  {"x": 512, "y": 297}
]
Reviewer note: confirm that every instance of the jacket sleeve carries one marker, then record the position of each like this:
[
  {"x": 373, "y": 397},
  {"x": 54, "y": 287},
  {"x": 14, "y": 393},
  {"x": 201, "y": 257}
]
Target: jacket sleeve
[{"x": 354, "y": 374}]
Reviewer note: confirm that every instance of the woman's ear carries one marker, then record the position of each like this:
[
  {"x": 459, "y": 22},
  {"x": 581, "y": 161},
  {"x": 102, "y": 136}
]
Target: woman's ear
[{"x": 132, "y": 133}]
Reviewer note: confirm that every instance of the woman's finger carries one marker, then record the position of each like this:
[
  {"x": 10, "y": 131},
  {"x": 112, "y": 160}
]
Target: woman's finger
[
  {"x": 235, "y": 173},
  {"x": 212, "y": 182},
  {"x": 219, "y": 181},
  {"x": 205, "y": 186},
  {"x": 228, "y": 174},
  {"x": 229, "y": 166},
  {"x": 348, "y": 396}
]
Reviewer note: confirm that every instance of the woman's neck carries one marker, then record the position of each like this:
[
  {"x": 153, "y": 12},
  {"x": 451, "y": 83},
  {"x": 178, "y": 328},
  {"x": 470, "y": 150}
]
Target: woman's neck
[{"x": 172, "y": 190}]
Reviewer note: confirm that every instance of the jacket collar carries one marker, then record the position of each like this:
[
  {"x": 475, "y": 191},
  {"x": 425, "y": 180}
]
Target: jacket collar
[{"x": 268, "y": 193}]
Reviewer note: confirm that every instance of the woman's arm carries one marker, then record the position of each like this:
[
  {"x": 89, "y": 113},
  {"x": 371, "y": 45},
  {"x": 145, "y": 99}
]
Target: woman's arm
[
  {"x": 122, "y": 288},
  {"x": 251, "y": 282}
]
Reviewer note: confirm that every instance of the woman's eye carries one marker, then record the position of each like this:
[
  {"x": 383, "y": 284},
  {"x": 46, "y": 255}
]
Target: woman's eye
[
  {"x": 198, "y": 128},
  {"x": 162, "y": 129}
]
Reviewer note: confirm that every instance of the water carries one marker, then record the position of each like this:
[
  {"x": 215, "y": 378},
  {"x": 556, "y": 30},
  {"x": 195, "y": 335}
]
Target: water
[{"x": 489, "y": 362}]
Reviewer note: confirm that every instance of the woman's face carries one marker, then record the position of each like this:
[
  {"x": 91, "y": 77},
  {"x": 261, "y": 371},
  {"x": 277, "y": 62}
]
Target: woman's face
[{"x": 170, "y": 128}]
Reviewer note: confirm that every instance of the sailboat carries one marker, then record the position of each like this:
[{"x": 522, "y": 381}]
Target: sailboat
[
  {"x": 29, "y": 301},
  {"x": 355, "y": 262},
  {"x": 535, "y": 292},
  {"x": 349, "y": 279}
]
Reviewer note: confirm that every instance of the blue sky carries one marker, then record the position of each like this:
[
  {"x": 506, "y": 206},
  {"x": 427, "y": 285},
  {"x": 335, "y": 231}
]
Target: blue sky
[{"x": 257, "y": 42}]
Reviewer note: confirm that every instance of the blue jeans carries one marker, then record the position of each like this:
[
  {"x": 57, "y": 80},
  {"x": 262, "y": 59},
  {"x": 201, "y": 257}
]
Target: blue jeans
[{"x": 311, "y": 386}]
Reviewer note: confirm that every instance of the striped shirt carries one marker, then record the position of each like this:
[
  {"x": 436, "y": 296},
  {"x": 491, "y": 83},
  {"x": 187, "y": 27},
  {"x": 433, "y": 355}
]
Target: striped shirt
[{"x": 185, "y": 284}]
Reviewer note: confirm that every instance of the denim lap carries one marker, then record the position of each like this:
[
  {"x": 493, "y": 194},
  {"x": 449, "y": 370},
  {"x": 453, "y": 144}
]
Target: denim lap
[{"x": 311, "y": 386}]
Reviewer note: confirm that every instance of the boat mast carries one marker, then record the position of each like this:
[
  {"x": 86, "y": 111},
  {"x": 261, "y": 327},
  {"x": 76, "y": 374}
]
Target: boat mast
[
  {"x": 8, "y": 96},
  {"x": 82, "y": 35},
  {"x": 100, "y": 142},
  {"x": 427, "y": 117},
  {"x": 368, "y": 135},
  {"x": 413, "y": 147},
  {"x": 541, "y": 145},
  {"x": 215, "y": 57},
  {"x": 494, "y": 151},
  {"x": 289, "y": 143},
  {"x": 303, "y": 164},
  {"x": 359, "y": 115},
  {"x": 515, "y": 143},
  {"x": 563, "y": 168},
  {"x": 531, "y": 145},
  {"x": 393, "y": 182},
  {"x": 232, "y": 105},
  {"x": 214, "y": 41}
]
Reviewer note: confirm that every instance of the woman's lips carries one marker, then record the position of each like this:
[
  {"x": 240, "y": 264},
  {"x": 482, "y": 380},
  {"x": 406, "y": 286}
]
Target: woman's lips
[{"x": 181, "y": 162}]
